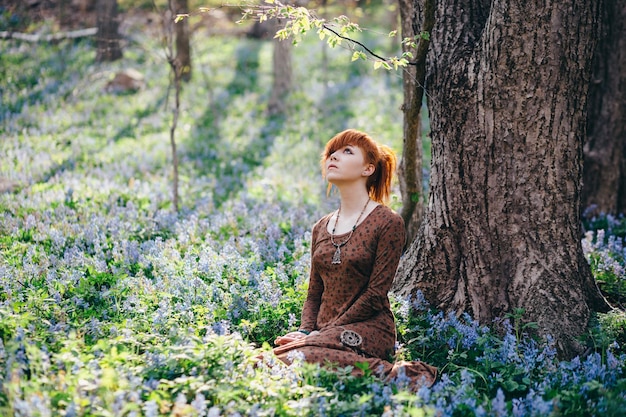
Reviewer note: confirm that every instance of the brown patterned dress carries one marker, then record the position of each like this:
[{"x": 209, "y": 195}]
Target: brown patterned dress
[{"x": 352, "y": 296}]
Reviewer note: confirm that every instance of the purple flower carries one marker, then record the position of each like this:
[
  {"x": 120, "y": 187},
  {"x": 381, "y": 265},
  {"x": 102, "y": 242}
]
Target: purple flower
[{"x": 498, "y": 405}]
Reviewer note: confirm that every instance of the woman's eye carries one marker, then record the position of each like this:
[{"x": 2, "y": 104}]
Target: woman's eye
[{"x": 348, "y": 150}]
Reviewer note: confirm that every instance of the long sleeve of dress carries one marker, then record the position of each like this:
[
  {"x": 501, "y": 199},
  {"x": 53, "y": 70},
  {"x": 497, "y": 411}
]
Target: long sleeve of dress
[
  {"x": 374, "y": 298},
  {"x": 313, "y": 300}
]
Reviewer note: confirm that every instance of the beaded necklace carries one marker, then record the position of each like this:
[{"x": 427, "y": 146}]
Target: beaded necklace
[{"x": 337, "y": 254}]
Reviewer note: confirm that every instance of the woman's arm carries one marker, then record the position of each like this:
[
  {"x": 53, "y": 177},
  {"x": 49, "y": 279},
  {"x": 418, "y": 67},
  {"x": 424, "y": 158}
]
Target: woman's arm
[
  {"x": 308, "y": 321},
  {"x": 388, "y": 251},
  {"x": 311, "y": 307}
]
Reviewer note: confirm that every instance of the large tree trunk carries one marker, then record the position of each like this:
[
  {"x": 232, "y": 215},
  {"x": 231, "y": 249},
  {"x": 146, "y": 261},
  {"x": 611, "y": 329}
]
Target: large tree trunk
[
  {"x": 108, "y": 37},
  {"x": 604, "y": 189},
  {"x": 183, "y": 51},
  {"x": 507, "y": 84},
  {"x": 415, "y": 16}
]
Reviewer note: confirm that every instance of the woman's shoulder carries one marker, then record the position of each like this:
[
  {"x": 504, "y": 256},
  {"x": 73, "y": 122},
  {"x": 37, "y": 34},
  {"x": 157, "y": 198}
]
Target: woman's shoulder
[
  {"x": 321, "y": 223},
  {"x": 386, "y": 214},
  {"x": 391, "y": 226}
]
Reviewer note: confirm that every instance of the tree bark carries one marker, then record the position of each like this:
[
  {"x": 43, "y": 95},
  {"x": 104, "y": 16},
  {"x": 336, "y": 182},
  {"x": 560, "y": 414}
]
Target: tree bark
[
  {"x": 507, "y": 84},
  {"x": 415, "y": 16},
  {"x": 108, "y": 37},
  {"x": 282, "y": 70},
  {"x": 183, "y": 50},
  {"x": 604, "y": 189}
]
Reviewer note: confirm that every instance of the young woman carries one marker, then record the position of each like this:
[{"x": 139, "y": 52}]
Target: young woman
[{"x": 355, "y": 252}]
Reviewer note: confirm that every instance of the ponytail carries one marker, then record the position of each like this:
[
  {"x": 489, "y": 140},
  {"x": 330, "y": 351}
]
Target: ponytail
[{"x": 379, "y": 183}]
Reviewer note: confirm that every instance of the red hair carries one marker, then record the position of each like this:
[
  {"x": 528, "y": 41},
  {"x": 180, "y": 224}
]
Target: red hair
[{"x": 381, "y": 156}]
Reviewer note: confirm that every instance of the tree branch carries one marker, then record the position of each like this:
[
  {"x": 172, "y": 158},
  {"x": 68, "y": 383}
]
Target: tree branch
[
  {"x": 357, "y": 42},
  {"x": 51, "y": 37},
  {"x": 372, "y": 53}
]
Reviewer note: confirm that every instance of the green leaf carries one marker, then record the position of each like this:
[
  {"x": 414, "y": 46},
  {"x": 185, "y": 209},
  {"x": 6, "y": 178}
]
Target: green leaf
[
  {"x": 510, "y": 386},
  {"x": 333, "y": 41},
  {"x": 398, "y": 63},
  {"x": 358, "y": 55},
  {"x": 364, "y": 367}
]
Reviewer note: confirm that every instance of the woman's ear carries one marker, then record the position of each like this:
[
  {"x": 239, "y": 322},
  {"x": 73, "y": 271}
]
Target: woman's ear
[{"x": 369, "y": 170}]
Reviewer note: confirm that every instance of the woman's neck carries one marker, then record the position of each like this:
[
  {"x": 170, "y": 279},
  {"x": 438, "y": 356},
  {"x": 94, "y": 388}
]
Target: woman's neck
[{"x": 353, "y": 199}]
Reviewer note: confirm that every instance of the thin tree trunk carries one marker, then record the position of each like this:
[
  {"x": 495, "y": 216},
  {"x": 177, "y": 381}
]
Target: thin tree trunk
[
  {"x": 507, "y": 96},
  {"x": 176, "y": 111},
  {"x": 416, "y": 16},
  {"x": 177, "y": 71},
  {"x": 604, "y": 189},
  {"x": 64, "y": 12},
  {"x": 282, "y": 70},
  {"x": 108, "y": 37},
  {"x": 183, "y": 50}
]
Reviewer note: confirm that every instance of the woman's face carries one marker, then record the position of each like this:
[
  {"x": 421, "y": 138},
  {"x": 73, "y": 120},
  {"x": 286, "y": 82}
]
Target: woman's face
[{"x": 347, "y": 164}]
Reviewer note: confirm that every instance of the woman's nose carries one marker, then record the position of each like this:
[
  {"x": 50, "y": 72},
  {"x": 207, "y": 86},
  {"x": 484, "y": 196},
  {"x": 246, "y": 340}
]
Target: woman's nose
[{"x": 333, "y": 156}]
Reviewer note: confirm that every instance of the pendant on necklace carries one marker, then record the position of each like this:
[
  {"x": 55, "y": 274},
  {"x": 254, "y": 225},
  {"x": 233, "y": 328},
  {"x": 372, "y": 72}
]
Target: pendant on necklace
[{"x": 337, "y": 256}]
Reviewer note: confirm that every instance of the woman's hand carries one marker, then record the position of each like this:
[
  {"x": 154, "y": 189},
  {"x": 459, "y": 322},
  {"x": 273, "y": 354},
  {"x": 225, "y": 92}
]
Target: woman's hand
[
  {"x": 288, "y": 338},
  {"x": 292, "y": 337}
]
